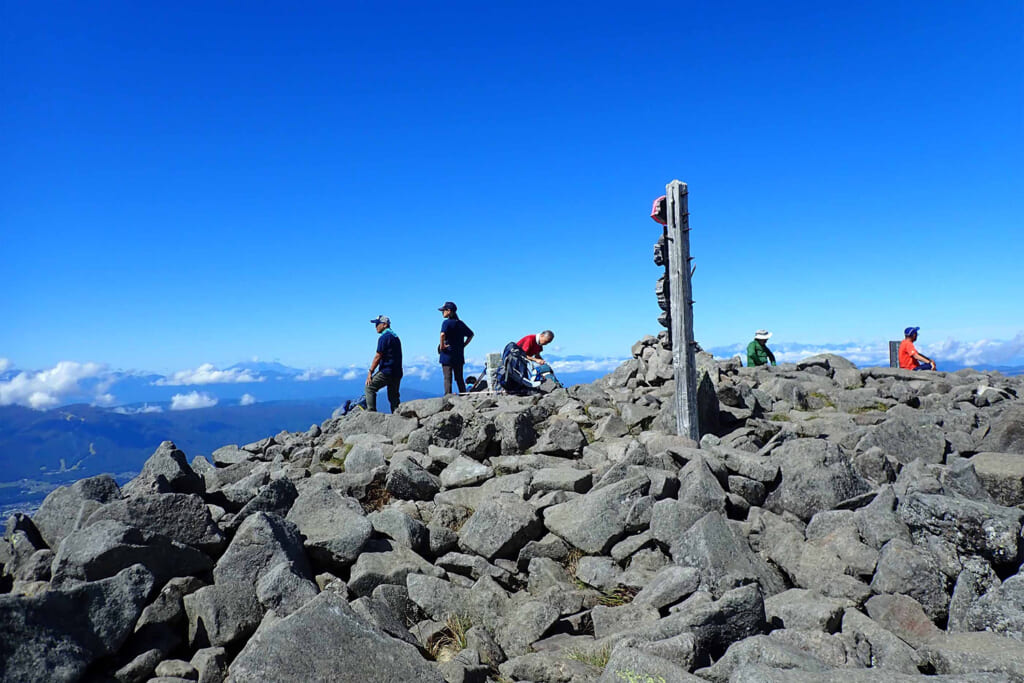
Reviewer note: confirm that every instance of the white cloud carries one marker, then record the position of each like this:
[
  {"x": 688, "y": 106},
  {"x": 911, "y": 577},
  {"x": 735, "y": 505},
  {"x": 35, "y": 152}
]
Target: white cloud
[
  {"x": 139, "y": 411},
  {"x": 982, "y": 352},
  {"x": 587, "y": 365},
  {"x": 5, "y": 364},
  {"x": 351, "y": 373},
  {"x": 192, "y": 400},
  {"x": 247, "y": 400},
  {"x": 208, "y": 374},
  {"x": 104, "y": 400},
  {"x": 312, "y": 375},
  {"x": 47, "y": 388}
]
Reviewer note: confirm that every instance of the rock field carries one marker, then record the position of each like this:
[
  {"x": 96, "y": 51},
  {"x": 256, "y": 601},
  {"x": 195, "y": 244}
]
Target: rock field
[{"x": 835, "y": 524}]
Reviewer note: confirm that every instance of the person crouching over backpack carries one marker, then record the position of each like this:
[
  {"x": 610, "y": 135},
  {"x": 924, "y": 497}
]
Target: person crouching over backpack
[
  {"x": 455, "y": 337},
  {"x": 388, "y": 360}
]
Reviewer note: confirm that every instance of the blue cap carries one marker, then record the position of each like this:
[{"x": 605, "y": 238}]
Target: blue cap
[
  {"x": 448, "y": 305},
  {"x": 910, "y": 330},
  {"x": 381, "y": 319}
]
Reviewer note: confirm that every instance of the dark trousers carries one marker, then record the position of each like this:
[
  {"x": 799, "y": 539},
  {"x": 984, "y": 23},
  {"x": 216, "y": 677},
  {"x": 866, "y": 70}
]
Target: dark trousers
[
  {"x": 377, "y": 382},
  {"x": 455, "y": 371}
]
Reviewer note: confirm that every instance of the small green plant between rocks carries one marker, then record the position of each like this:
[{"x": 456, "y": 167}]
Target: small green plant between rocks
[{"x": 596, "y": 658}]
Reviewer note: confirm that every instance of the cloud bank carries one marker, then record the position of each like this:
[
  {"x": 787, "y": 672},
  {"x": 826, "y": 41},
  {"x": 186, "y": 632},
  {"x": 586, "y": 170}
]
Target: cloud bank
[
  {"x": 208, "y": 374},
  {"x": 192, "y": 400},
  {"x": 48, "y": 388},
  {"x": 5, "y": 364},
  {"x": 246, "y": 400},
  {"x": 312, "y": 374},
  {"x": 138, "y": 411}
]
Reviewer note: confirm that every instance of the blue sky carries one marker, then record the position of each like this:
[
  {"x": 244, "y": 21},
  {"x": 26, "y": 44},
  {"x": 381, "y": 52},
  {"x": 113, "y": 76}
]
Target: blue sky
[{"x": 193, "y": 183}]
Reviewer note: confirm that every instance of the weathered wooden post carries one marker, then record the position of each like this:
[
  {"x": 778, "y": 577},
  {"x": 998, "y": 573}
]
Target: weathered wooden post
[{"x": 681, "y": 314}]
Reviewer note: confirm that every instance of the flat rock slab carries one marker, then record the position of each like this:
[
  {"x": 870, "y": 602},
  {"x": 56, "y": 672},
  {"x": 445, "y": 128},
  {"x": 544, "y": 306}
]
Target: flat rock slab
[
  {"x": 596, "y": 521},
  {"x": 326, "y": 640},
  {"x": 500, "y": 528}
]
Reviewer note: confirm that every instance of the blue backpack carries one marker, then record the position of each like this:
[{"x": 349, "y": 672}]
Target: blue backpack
[{"x": 514, "y": 371}]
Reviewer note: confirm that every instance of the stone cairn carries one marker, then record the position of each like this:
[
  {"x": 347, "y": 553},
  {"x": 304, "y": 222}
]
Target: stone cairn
[{"x": 836, "y": 525}]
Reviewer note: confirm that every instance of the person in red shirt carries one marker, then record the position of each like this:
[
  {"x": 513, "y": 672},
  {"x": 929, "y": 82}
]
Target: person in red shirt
[
  {"x": 533, "y": 344},
  {"x": 910, "y": 359}
]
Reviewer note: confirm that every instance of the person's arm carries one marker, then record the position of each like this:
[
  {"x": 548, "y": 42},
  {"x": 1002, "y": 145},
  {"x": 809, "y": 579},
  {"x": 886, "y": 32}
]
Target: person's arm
[
  {"x": 469, "y": 335},
  {"x": 771, "y": 356},
  {"x": 373, "y": 366},
  {"x": 921, "y": 358},
  {"x": 444, "y": 344}
]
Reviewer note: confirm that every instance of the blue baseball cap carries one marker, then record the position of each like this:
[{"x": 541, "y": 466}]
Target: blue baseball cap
[
  {"x": 910, "y": 330},
  {"x": 381, "y": 319},
  {"x": 450, "y": 306}
]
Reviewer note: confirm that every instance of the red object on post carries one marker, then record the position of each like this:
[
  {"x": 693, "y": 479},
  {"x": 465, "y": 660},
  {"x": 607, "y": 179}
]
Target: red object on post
[{"x": 659, "y": 211}]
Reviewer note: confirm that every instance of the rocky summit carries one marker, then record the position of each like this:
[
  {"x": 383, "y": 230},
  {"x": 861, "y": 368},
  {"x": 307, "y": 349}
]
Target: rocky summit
[{"x": 833, "y": 524}]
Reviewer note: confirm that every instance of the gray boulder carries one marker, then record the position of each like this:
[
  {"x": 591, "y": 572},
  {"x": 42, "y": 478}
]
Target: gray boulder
[
  {"x": 67, "y": 507},
  {"x": 401, "y": 528},
  {"x": 1002, "y": 475},
  {"x": 104, "y": 549},
  {"x": 500, "y": 528},
  {"x": 408, "y": 480},
  {"x": 1006, "y": 433},
  {"x": 804, "y": 610},
  {"x": 346, "y": 647},
  {"x": 464, "y": 471},
  {"x": 562, "y": 437},
  {"x": 54, "y": 636},
  {"x": 598, "y": 520},
  {"x": 991, "y": 531},
  {"x": 170, "y": 463},
  {"x": 178, "y": 516},
  {"x": 723, "y": 557},
  {"x": 383, "y": 562},
  {"x": 333, "y": 526},
  {"x": 816, "y": 475},
  {"x": 906, "y": 440},
  {"x": 904, "y": 568},
  {"x": 231, "y": 608}
]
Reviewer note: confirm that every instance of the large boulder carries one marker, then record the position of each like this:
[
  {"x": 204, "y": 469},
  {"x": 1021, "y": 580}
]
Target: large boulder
[
  {"x": 598, "y": 520},
  {"x": 723, "y": 557},
  {"x": 333, "y": 526},
  {"x": 54, "y": 636},
  {"x": 103, "y": 549},
  {"x": 906, "y": 440},
  {"x": 501, "y": 527},
  {"x": 326, "y": 640},
  {"x": 234, "y": 605},
  {"x": 67, "y": 507},
  {"x": 170, "y": 464},
  {"x": 816, "y": 475},
  {"x": 1002, "y": 475},
  {"x": 1006, "y": 433},
  {"x": 178, "y": 516},
  {"x": 974, "y": 528}
]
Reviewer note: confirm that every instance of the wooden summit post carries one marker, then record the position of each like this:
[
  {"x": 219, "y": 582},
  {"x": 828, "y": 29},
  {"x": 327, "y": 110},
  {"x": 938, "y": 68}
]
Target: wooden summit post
[{"x": 681, "y": 300}]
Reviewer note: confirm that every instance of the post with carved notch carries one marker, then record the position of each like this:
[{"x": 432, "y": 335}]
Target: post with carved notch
[{"x": 681, "y": 315}]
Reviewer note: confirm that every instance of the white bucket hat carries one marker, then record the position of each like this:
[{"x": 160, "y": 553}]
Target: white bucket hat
[{"x": 762, "y": 335}]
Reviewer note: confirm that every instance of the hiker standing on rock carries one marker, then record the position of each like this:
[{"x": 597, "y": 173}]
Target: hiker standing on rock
[
  {"x": 910, "y": 359},
  {"x": 388, "y": 362},
  {"x": 758, "y": 352},
  {"x": 455, "y": 337}
]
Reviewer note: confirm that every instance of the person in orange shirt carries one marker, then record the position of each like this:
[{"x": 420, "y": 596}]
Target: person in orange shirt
[{"x": 910, "y": 359}]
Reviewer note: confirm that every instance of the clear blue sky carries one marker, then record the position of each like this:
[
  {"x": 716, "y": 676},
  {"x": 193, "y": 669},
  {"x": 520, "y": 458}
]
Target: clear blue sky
[{"x": 190, "y": 182}]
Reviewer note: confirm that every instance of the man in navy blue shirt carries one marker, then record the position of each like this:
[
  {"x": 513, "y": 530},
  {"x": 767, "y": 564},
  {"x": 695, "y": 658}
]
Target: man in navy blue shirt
[
  {"x": 455, "y": 336},
  {"x": 387, "y": 363}
]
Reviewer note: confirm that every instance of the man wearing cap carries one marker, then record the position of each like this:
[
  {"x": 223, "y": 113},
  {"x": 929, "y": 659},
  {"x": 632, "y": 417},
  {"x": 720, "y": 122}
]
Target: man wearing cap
[
  {"x": 387, "y": 363},
  {"x": 910, "y": 359},
  {"x": 455, "y": 337},
  {"x": 758, "y": 352}
]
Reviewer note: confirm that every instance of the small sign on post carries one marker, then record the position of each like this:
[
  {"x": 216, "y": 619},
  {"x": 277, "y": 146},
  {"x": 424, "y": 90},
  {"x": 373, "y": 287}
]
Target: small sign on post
[{"x": 681, "y": 313}]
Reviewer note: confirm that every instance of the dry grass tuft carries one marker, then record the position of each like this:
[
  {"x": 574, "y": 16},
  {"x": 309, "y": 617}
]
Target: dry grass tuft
[
  {"x": 376, "y": 498},
  {"x": 596, "y": 658},
  {"x": 622, "y": 595},
  {"x": 452, "y": 640}
]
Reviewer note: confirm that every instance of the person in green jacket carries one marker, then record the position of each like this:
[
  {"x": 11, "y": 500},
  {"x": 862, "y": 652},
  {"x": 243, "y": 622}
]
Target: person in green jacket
[{"x": 758, "y": 352}]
